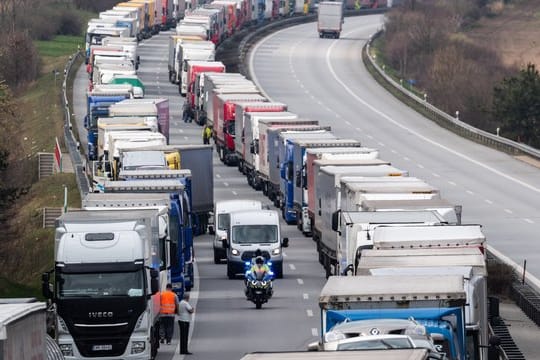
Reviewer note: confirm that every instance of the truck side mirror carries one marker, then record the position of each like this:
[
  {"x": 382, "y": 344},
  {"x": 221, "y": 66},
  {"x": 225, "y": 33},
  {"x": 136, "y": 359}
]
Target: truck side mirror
[
  {"x": 298, "y": 182},
  {"x": 256, "y": 146},
  {"x": 285, "y": 242},
  {"x": 335, "y": 220},
  {"x": 46, "y": 286},
  {"x": 154, "y": 281}
]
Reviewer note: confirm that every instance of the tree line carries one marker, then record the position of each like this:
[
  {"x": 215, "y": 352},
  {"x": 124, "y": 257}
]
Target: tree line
[{"x": 425, "y": 42}]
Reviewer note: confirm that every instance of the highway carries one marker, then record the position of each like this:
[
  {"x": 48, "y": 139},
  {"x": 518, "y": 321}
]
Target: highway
[{"x": 325, "y": 80}]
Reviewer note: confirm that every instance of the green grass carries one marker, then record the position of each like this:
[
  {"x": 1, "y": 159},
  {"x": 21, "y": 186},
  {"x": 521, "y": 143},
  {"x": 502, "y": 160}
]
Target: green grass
[
  {"x": 60, "y": 46},
  {"x": 9, "y": 289}
]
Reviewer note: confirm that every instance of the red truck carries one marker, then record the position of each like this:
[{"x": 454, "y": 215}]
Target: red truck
[
  {"x": 224, "y": 123},
  {"x": 195, "y": 67}
]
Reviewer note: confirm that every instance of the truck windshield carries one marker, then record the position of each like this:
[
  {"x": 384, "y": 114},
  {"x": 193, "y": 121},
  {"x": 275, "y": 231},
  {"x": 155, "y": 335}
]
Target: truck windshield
[
  {"x": 254, "y": 234},
  {"x": 71, "y": 285}
]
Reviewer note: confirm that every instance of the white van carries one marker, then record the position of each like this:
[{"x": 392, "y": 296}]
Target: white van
[
  {"x": 250, "y": 231},
  {"x": 222, "y": 210}
]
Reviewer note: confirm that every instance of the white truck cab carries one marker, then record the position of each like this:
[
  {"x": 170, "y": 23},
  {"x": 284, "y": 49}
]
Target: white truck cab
[
  {"x": 222, "y": 211},
  {"x": 250, "y": 231}
]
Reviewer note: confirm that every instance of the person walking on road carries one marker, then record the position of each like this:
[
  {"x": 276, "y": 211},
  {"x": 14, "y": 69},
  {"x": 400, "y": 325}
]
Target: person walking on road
[
  {"x": 184, "y": 318},
  {"x": 207, "y": 134},
  {"x": 168, "y": 309}
]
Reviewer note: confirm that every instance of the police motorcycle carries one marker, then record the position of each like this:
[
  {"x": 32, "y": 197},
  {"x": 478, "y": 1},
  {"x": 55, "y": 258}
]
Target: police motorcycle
[{"x": 258, "y": 280}]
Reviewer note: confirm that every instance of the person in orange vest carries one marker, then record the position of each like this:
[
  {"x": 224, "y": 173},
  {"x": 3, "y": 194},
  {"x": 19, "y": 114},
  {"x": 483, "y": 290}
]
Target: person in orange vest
[{"x": 169, "y": 306}]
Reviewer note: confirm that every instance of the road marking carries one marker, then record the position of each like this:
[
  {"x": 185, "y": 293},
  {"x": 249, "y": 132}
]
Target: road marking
[
  {"x": 489, "y": 202},
  {"x": 358, "y": 129},
  {"x": 508, "y": 211},
  {"x": 226, "y": 183},
  {"x": 314, "y": 332},
  {"x": 218, "y": 176},
  {"x": 433, "y": 142},
  {"x": 529, "y": 221},
  {"x": 347, "y": 122},
  {"x": 292, "y": 267},
  {"x": 180, "y": 131},
  {"x": 309, "y": 312},
  {"x": 380, "y": 143},
  {"x": 393, "y": 151},
  {"x": 305, "y": 296},
  {"x": 436, "y": 175},
  {"x": 406, "y": 159},
  {"x": 420, "y": 166},
  {"x": 369, "y": 137},
  {"x": 300, "y": 281},
  {"x": 235, "y": 193},
  {"x": 186, "y": 137},
  {"x": 452, "y": 183},
  {"x": 470, "y": 192}
]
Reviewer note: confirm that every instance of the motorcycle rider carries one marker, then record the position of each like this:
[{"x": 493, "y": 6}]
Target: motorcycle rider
[{"x": 259, "y": 270}]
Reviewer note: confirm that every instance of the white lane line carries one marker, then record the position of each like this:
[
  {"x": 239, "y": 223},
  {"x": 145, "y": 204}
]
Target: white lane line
[
  {"x": 508, "y": 211},
  {"x": 347, "y": 122},
  {"x": 369, "y": 136},
  {"x": 393, "y": 151},
  {"x": 489, "y": 201},
  {"x": 305, "y": 296},
  {"x": 314, "y": 332},
  {"x": 309, "y": 312},
  {"x": 300, "y": 281},
  {"x": 380, "y": 143},
  {"x": 358, "y": 129},
  {"x": 433, "y": 142},
  {"x": 186, "y": 137},
  {"x": 235, "y": 193},
  {"x": 529, "y": 221},
  {"x": 452, "y": 183},
  {"x": 292, "y": 267},
  {"x": 218, "y": 176},
  {"x": 470, "y": 192},
  {"x": 180, "y": 131},
  {"x": 406, "y": 159},
  {"x": 420, "y": 166},
  {"x": 226, "y": 183},
  {"x": 435, "y": 174}
]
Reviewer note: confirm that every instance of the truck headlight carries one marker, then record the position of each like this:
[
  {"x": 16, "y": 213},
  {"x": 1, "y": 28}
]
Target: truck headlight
[
  {"x": 138, "y": 347},
  {"x": 235, "y": 252},
  {"x": 67, "y": 349},
  {"x": 276, "y": 251},
  {"x": 142, "y": 322},
  {"x": 62, "y": 327}
]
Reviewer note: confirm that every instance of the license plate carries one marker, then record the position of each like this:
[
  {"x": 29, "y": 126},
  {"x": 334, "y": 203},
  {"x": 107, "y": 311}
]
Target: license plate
[{"x": 102, "y": 347}]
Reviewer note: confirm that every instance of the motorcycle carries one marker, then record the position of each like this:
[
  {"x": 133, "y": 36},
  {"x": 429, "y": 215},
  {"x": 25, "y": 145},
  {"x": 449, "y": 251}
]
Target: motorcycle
[{"x": 259, "y": 287}]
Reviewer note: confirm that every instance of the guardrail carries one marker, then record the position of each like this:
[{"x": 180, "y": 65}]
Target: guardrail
[
  {"x": 78, "y": 161},
  {"x": 447, "y": 121}
]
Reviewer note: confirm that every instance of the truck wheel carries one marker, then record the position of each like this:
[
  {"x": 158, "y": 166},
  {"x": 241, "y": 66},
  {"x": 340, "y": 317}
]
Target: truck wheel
[
  {"x": 258, "y": 305},
  {"x": 279, "y": 272},
  {"x": 264, "y": 189}
]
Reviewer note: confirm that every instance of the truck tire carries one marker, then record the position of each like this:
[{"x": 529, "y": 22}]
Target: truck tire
[{"x": 217, "y": 259}]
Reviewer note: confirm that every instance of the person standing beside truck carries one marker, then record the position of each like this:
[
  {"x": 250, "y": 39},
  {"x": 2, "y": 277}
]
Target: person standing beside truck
[
  {"x": 184, "y": 318},
  {"x": 207, "y": 134},
  {"x": 169, "y": 306}
]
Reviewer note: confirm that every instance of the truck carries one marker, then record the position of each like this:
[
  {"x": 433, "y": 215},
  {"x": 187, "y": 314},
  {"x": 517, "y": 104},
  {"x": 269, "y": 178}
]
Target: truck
[
  {"x": 106, "y": 283},
  {"x": 157, "y": 108},
  {"x": 133, "y": 80},
  {"x": 387, "y": 354},
  {"x": 450, "y": 212},
  {"x": 252, "y": 160},
  {"x": 468, "y": 262},
  {"x": 198, "y": 159},
  {"x": 193, "y": 69},
  {"x": 250, "y": 231},
  {"x": 311, "y": 171},
  {"x": 175, "y": 58},
  {"x": 209, "y": 85},
  {"x": 286, "y": 167},
  {"x": 222, "y": 216},
  {"x": 296, "y": 154},
  {"x": 191, "y": 50},
  {"x": 98, "y": 101},
  {"x": 436, "y": 302},
  {"x": 241, "y": 108},
  {"x": 328, "y": 195},
  {"x": 269, "y": 151},
  {"x": 224, "y": 123},
  {"x": 330, "y": 19},
  {"x": 174, "y": 227},
  {"x": 22, "y": 329},
  {"x": 107, "y": 125},
  {"x": 355, "y": 232}
]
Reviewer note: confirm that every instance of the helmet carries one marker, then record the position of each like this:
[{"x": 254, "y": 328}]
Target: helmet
[{"x": 259, "y": 260}]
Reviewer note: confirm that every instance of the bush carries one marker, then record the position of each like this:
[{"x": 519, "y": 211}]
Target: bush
[{"x": 70, "y": 24}]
